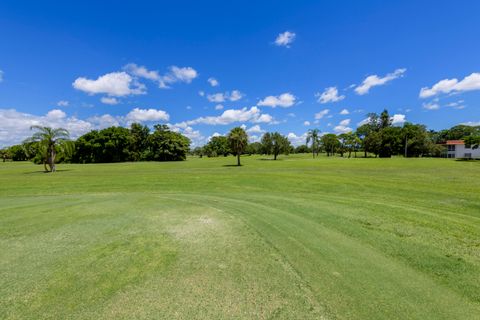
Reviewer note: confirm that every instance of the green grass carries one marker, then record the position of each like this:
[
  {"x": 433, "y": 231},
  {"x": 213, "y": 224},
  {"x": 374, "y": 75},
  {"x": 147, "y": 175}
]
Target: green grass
[{"x": 296, "y": 238}]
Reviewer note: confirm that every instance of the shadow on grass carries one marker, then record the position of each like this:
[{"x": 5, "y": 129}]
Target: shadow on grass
[
  {"x": 45, "y": 172},
  {"x": 268, "y": 159},
  {"x": 231, "y": 165},
  {"x": 467, "y": 159}
]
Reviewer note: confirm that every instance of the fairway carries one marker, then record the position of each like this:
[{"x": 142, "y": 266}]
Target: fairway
[{"x": 296, "y": 238}]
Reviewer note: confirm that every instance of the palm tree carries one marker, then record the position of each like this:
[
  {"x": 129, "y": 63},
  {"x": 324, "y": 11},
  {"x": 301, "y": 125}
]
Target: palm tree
[
  {"x": 313, "y": 135},
  {"x": 238, "y": 140},
  {"x": 49, "y": 140}
]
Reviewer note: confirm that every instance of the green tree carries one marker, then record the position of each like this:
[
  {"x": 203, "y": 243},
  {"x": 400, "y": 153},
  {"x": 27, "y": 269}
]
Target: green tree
[
  {"x": 238, "y": 140},
  {"x": 473, "y": 141},
  {"x": 331, "y": 143},
  {"x": 138, "y": 141},
  {"x": 217, "y": 146},
  {"x": 5, "y": 154},
  {"x": 166, "y": 145},
  {"x": 313, "y": 137},
  {"x": 50, "y": 142},
  {"x": 254, "y": 148},
  {"x": 302, "y": 149},
  {"x": 274, "y": 143}
]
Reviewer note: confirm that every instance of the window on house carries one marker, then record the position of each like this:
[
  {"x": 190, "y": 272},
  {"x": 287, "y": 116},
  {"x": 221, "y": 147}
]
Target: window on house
[
  {"x": 468, "y": 155},
  {"x": 451, "y": 147},
  {"x": 467, "y": 146}
]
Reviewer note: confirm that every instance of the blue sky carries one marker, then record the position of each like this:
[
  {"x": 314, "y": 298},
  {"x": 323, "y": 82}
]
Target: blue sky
[{"x": 279, "y": 65}]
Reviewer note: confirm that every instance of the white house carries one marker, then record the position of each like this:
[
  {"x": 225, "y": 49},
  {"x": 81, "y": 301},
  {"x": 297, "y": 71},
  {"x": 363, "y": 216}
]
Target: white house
[{"x": 458, "y": 149}]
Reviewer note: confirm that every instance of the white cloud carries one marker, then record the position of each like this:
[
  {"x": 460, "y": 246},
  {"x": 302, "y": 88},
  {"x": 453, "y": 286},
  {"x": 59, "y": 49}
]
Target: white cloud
[
  {"x": 329, "y": 95},
  {"x": 105, "y": 121},
  {"x": 177, "y": 74},
  {"x": 343, "y": 127},
  {"x": 142, "y": 72},
  {"x": 285, "y": 100},
  {"x": 364, "y": 121},
  {"x": 285, "y": 39},
  {"x": 297, "y": 140},
  {"x": 16, "y": 125},
  {"x": 201, "y": 93},
  {"x": 469, "y": 83},
  {"x": 109, "y": 100},
  {"x": 145, "y": 115},
  {"x": 218, "y": 107},
  {"x": 398, "y": 119},
  {"x": 255, "y": 129},
  {"x": 375, "y": 80},
  {"x": 235, "y": 95},
  {"x": 231, "y": 116},
  {"x": 63, "y": 103},
  {"x": 321, "y": 114},
  {"x": 116, "y": 84},
  {"x": 306, "y": 123},
  {"x": 456, "y": 105},
  {"x": 213, "y": 82},
  {"x": 471, "y": 123},
  {"x": 344, "y": 112},
  {"x": 431, "y": 106}
]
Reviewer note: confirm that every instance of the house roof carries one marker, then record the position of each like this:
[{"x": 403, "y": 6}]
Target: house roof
[{"x": 454, "y": 142}]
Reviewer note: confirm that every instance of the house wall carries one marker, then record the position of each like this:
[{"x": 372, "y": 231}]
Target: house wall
[{"x": 460, "y": 151}]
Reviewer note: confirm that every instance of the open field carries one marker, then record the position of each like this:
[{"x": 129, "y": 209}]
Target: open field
[{"x": 290, "y": 239}]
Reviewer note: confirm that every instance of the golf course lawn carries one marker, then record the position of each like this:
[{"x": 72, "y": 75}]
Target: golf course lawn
[{"x": 296, "y": 238}]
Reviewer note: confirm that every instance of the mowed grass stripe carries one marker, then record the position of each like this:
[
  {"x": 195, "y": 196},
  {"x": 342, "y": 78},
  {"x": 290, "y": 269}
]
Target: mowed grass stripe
[{"x": 295, "y": 238}]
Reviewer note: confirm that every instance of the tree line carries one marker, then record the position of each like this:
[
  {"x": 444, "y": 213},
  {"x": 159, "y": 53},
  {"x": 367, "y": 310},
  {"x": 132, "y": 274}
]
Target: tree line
[
  {"x": 377, "y": 137},
  {"x": 49, "y": 146}
]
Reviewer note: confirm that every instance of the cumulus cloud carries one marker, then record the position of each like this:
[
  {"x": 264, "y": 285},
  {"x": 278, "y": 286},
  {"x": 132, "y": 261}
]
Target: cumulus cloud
[
  {"x": 109, "y": 100},
  {"x": 343, "y": 127},
  {"x": 321, "y": 114},
  {"x": 285, "y": 39},
  {"x": 116, "y": 84},
  {"x": 174, "y": 74},
  {"x": 329, "y": 95},
  {"x": 344, "y": 112},
  {"x": 218, "y": 107},
  {"x": 146, "y": 115},
  {"x": 469, "y": 83},
  {"x": 255, "y": 129},
  {"x": 142, "y": 72},
  {"x": 63, "y": 103},
  {"x": 375, "y": 80},
  {"x": 235, "y": 95},
  {"x": 285, "y": 100},
  {"x": 213, "y": 82},
  {"x": 398, "y": 119},
  {"x": 431, "y": 106},
  {"x": 297, "y": 140},
  {"x": 231, "y": 116},
  {"x": 16, "y": 125},
  {"x": 306, "y": 123},
  {"x": 471, "y": 123},
  {"x": 177, "y": 74}
]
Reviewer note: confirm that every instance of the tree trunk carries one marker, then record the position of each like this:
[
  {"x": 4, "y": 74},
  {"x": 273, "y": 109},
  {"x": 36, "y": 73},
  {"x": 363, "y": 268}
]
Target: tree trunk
[
  {"x": 349, "y": 153},
  {"x": 365, "y": 153},
  {"x": 238, "y": 160},
  {"x": 274, "y": 156}
]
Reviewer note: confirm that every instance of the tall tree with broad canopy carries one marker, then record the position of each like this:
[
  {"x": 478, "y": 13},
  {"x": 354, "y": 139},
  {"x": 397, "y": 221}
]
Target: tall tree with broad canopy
[
  {"x": 238, "y": 140},
  {"x": 50, "y": 141},
  {"x": 330, "y": 143},
  {"x": 313, "y": 136},
  {"x": 274, "y": 143}
]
